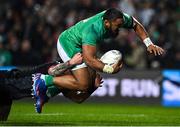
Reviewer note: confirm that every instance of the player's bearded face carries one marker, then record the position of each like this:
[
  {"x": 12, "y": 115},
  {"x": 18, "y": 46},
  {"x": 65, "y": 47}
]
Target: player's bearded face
[
  {"x": 113, "y": 29},
  {"x": 112, "y": 32}
]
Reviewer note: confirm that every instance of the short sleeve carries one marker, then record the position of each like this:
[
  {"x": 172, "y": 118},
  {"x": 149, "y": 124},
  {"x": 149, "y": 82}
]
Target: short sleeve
[
  {"x": 128, "y": 21},
  {"x": 89, "y": 36}
]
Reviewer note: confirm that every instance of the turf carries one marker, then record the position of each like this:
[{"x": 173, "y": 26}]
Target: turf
[{"x": 92, "y": 115}]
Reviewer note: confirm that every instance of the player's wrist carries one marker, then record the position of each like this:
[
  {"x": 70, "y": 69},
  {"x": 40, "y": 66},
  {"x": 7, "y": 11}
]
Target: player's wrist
[
  {"x": 70, "y": 63},
  {"x": 108, "y": 69},
  {"x": 147, "y": 41}
]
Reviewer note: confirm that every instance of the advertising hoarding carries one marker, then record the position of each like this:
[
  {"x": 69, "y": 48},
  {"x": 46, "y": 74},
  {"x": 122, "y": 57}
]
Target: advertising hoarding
[
  {"x": 171, "y": 88},
  {"x": 128, "y": 87}
]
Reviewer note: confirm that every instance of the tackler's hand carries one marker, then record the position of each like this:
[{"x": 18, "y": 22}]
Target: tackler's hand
[
  {"x": 98, "y": 80},
  {"x": 77, "y": 59}
]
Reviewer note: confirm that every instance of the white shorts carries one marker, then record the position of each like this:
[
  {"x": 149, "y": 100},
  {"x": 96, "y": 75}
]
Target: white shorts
[{"x": 63, "y": 55}]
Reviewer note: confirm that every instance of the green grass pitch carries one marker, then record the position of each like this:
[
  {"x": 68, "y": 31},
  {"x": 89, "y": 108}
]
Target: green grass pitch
[{"x": 71, "y": 114}]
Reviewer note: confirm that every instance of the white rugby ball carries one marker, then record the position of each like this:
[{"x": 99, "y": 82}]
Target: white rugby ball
[{"x": 111, "y": 57}]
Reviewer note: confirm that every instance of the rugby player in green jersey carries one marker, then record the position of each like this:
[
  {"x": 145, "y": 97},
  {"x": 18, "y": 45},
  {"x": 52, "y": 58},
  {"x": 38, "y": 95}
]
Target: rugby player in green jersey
[{"x": 83, "y": 38}]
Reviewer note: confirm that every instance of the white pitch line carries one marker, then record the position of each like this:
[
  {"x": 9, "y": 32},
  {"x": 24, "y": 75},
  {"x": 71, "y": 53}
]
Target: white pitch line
[{"x": 78, "y": 114}]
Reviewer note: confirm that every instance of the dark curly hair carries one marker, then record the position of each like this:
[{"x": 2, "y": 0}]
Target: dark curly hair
[{"x": 112, "y": 14}]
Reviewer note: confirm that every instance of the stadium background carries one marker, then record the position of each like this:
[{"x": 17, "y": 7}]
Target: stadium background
[{"x": 28, "y": 33}]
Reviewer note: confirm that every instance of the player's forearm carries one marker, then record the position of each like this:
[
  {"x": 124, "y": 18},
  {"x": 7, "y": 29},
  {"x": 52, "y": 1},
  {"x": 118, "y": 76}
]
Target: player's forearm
[
  {"x": 89, "y": 56},
  {"x": 143, "y": 35},
  {"x": 95, "y": 64},
  {"x": 60, "y": 68},
  {"x": 101, "y": 67},
  {"x": 140, "y": 31}
]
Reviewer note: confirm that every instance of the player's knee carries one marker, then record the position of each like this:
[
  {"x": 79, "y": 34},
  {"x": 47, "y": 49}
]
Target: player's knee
[{"x": 83, "y": 87}]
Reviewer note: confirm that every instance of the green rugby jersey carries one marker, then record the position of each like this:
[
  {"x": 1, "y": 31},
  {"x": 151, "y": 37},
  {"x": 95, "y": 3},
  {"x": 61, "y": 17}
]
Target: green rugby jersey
[{"x": 89, "y": 31}]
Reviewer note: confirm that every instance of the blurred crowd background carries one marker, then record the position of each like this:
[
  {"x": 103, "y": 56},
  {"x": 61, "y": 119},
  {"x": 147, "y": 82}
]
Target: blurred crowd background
[{"x": 29, "y": 30}]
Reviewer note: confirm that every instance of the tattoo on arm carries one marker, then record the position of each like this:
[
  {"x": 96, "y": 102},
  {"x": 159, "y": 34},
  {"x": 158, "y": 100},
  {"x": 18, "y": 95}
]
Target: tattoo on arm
[{"x": 60, "y": 68}]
